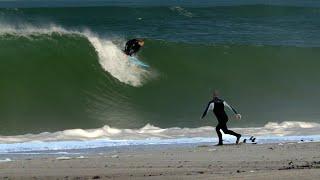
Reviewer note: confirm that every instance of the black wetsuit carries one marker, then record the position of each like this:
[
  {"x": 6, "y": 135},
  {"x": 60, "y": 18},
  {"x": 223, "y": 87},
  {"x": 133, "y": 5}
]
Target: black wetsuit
[
  {"x": 217, "y": 105},
  {"x": 132, "y": 47}
]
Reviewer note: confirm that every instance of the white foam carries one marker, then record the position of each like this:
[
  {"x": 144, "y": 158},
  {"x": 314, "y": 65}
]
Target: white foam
[
  {"x": 30, "y": 147},
  {"x": 287, "y": 128},
  {"x": 182, "y": 11},
  {"x": 5, "y": 160},
  {"x": 110, "y": 56},
  {"x": 63, "y": 158},
  {"x": 81, "y": 157},
  {"x": 108, "y": 136},
  {"x": 115, "y": 62}
]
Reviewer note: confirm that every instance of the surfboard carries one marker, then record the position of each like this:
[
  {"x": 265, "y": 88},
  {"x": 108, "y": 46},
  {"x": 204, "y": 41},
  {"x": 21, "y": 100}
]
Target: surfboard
[
  {"x": 251, "y": 140},
  {"x": 137, "y": 62}
]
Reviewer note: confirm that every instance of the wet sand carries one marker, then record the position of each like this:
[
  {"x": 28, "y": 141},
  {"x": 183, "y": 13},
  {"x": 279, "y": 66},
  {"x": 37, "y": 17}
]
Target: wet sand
[{"x": 246, "y": 161}]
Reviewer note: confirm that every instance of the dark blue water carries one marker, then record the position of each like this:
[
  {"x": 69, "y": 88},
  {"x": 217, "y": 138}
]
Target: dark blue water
[
  {"x": 292, "y": 23},
  {"x": 190, "y": 3}
]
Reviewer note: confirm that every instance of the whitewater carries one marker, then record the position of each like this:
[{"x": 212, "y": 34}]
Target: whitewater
[{"x": 150, "y": 135}]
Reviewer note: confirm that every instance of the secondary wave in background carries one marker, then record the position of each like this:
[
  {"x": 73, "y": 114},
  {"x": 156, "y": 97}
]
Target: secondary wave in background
[
  {"x": 148, "y": 3},
  {"x": 286, "y": 25}
]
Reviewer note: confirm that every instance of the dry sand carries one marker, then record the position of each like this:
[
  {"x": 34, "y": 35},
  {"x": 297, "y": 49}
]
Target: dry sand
[{"x": 246, "y": 161}]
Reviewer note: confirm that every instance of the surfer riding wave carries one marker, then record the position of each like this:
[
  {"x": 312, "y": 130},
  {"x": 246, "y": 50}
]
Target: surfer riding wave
[{"x": 133, "y": 46}]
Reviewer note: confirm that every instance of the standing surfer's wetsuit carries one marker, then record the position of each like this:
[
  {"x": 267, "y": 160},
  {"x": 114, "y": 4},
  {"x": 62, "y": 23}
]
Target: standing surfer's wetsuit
[
  {"x": 132, "y": 47},
  {"x": 217, "y": 105}
]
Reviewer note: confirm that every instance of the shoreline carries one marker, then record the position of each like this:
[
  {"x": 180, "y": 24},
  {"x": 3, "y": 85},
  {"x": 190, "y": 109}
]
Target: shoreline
[
  {"x": 188, "y": 161},
  {"x": 107, "y": 136},
  {"x": 43, "y": 147}
]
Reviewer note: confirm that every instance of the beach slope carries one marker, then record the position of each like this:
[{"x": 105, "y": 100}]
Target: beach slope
[{"x": 247, "y": 161}]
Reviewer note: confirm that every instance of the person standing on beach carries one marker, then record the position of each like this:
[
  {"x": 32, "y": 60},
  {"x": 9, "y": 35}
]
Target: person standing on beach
[{"x": 217, "y": 106}]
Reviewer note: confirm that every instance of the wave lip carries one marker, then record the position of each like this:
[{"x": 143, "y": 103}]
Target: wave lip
[{"x": 110, "y": 56}]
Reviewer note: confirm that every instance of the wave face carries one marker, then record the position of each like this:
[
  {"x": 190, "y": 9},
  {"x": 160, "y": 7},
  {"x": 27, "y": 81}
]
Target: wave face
[
  {"x": 61, "y": 81},
  {"x": 55, "y": 79},
  {"x": 62, "y": 68},
  {"x": 109, "y": 55},
  {"x": 51, "y": 74}
]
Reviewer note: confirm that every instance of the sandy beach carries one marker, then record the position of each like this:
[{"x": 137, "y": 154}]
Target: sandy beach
[{"x": 246, "y": 161}]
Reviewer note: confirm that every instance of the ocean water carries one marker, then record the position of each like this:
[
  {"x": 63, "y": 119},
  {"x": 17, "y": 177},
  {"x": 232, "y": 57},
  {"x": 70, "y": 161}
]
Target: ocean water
[{"x": 63, "y": 75}]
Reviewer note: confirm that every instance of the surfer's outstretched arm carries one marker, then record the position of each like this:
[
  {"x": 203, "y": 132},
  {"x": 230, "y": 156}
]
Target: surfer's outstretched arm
[
  {"x": 230, "y": 107},
  {"x": 210, "y": 106}
]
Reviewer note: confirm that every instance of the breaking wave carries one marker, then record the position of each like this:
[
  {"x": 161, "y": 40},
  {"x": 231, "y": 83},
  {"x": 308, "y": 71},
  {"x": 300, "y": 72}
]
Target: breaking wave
[{"x": 110, "y": 55}]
